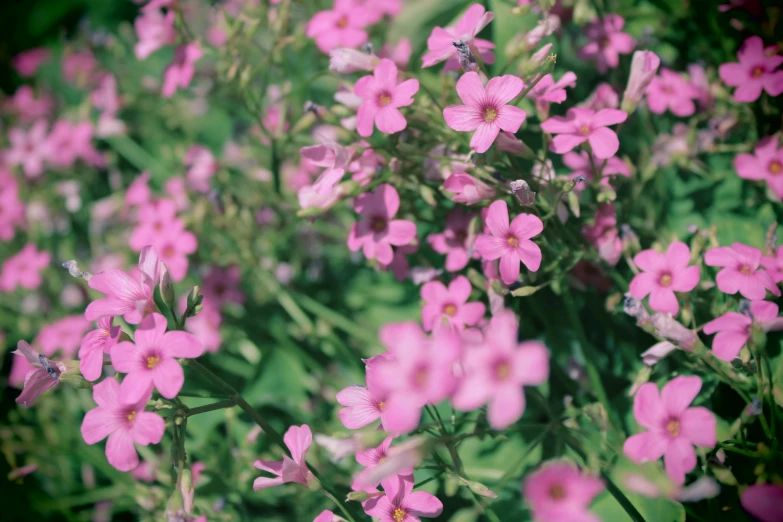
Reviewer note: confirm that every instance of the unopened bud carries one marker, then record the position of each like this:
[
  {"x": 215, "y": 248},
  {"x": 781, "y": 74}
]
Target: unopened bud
[
  {"x": 478, "y": 488},
  {"x": 186, "y": 488},
  {"x": 635, "y": 308},
  {"x": 669, "y": 328},
  {"x": 644, "y": 65},
  {"x": 72, "y": 376},
  {"x": 166, "y": 287},
  {"x": 357, "y": 496},
  {"x": 465, "y": 56},
  {"x": 522, "y": 191}
]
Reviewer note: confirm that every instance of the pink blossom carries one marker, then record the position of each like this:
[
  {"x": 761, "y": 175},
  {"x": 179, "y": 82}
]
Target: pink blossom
[
  {"x": 580, "y": 165},
  {"x": 449, "y": 305},
  {"x": 342, "y": 26},
  {"x": 205, "y": 325},
  {"x": 370, "y": 459},
  {"x": 11, "y": 207},
  {"x": 603, "y": 97},
  {"x": 174, "y": 245},
  {"x": 27, "y": 107},
  {"x": 24, "y": 269},
  {"x": 382, "y": 96},
  {"x": 138, "y": 192},
  {"x": 155, "y": 219},
  {"x": 669, "y": 90},
  {"x": 104, "y": 97},
  {"x": 176, "y": 189},
  {"x": 78, "y": 67},
  {"x": 669, "y": 328},
  {"x": 581, "y": 125},
  {"x": 221, "y": 285},
  {"x": 42, "y": 375},
  {"x": 467, "y": 189},
  {"x": 202, "y": 166},
  {"x": 401, "y": 503},
  {"x": 95, "y": 344},
  {"x": 673, "y": 427},
  {"x": 756, "y": 70},
  {"x": 377, "y": 232},
  {"x": 453, "y": 241},
  {"x": 344, "y": 60},
  {"x": 603, "y": 235},
  {"x": 644, "y": 65},
  {"x": 440, "y": 43},
  {"x": 151, "y": 360},
  {"x": 701, "y": 86},
  {"x": 27, "y": 62},
  {"x": 607, "y": 42},
  {"x": 381, "y": 8},
  {"x": 180, "y": 71},
  {"x": 124, "y": 423},
  {"x": 559, "y": 491},
  {"x": 766, "y": 163},
  {"x": 70, "y": 141},
  {"x": 333, "y": 157},
  {"x": 510, "y": 242},
  {"x": 662, "y": 275},
  {"x": 763, "y": 501},
  {"x": 734, "y": 329},
  {"x": 497, "y": 369},
  {"x": 400, "y": 54},
  {"x": 154, "y": 30},
  {"x": 291, "y": 469},
  {"x": 325, "y": 516},
  {"x": 63, "y": 334},
  {"x": 29, "y": 149},
  {"x": 741, "y": 271},
  {"x": 549, "y": 90},
  {"x": 364, "y": 405},
  {"x": 485, "y": 111}
]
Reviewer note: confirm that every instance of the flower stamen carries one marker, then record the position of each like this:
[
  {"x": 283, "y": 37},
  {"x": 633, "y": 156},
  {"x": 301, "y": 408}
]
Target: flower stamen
[{"x": 153, "y": 361}]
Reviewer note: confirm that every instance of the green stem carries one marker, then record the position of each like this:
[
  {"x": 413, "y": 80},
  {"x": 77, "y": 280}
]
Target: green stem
[
  {"x": 228, "y": 403},
  {"x": 339, "y": 505}
]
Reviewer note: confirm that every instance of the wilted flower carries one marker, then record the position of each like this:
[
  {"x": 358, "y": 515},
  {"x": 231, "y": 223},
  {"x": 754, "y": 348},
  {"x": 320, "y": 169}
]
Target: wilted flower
[
  {"x": 44, "y": 374},
  {"x": 291, "y": 469},
  {"x": 644, "y": 65},
  {"x": 668, "y": 328}
]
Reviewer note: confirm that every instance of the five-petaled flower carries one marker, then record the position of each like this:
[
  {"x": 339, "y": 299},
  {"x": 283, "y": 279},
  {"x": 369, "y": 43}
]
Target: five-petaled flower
[
  {"x": 377, "y": 232},
  {"x": 585, "y": 125},
  {"x": 741, "y": 271},
  {"x": 291, "y": 469},
  {"x": 756, "y": 70},
  {"x": 400, "y": 503},
  {"x": 382, "y": 97},
  {"x": 662, "y": 275},
  {"x": 734, "y": 329}
]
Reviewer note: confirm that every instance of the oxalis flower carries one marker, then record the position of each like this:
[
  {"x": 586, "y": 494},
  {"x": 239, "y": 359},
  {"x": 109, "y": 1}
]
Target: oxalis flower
[
  {"x": 449, "y": 305},
  {"x": 486, "y": 110},
  {"x": 673, "y": 427},
  {"x": 766, "y": 163},
  {"x": 560, "y": 492},
  {"x": 291, "y": 469},
  {"x": 95, "y": 344},
  {"x": 43, "y": 375},
  {"x": 400, "y": 503},
  {"x": 382, "y": 96},
  {"x": 152, "y": 360},
  {"x": 371, "y": 458},
  {"x": 734, "y": 329},
  {"x": 741, "y": 271},
  {"x": 662, "y": 275},
  {"x": 441, "y": 42},
  {"x": 756, "y": 70},
  {"x": 585, "y": 125}
]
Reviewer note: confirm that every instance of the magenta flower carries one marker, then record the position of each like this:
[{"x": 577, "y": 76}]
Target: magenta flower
[
  {"x": 607, "y": 42},
  {"x": 325, "y": 516},
  {"x": 27, "y": 62},
  {"x": 377, "y": 232},
  {"x": 154, "y": 30},
  {"x": 449, "y": 305},
  {"x": 734, "y": 329},
  {"x": 42, "y": 374},
  {"x": 497, "y": 369},
  {"x": 756, "y": 71},
  {"x": 342, "y": 26},
  {"x": 370, "y": 459},
  {"x": 174, "y": 245},
  {"x": 24, "y": 269},
  {"x": 673, "y": 427},
  {"x": 154, "y": 218},
  {"x": 95, "y": 344},
  {"x": 486, "y": 111},
  {"x": 222, "y": 285},
  {"x": 124, "y": 423},
  {"x": 644, "y": 65},
  {"x": 12, "y": 213},
  {"x": 453, "y": 242},
  {"x": 510, "y": 242},
  {"x": 180, "y": 71},
  {"x": 669, "y": 90},
  {"x": 291, "y": 469},
  {"x": 382, "y": 96},
  {"x": 126, "y": 296},
  {"x": 547, "y": 91},
  {"x": 581, "y": 125},
  {"x": 662, "y": 275},
  {"x": 440, "y": 43},
  {"x": 559, "y": 491},
  {"x": 29, "y": 149},
  {"x": 765, "y": 163},
  {"x": 467, "y": 189},
  {"x": 741, "y": 271},
  {"x": 151, "y": 360},
  {"x": 401, "y": 504},
  {"x": 763, "y": 501}
]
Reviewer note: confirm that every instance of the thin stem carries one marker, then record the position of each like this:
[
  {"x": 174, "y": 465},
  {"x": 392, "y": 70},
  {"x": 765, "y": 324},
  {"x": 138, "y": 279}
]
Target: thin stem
[
  {"x": 339, "y": 505},
  {"x": 228, "y": 403}
]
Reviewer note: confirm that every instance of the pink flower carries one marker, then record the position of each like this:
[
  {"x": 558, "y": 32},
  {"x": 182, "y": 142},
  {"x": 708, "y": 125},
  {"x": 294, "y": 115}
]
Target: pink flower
[
  {"x": 221, "y": 285},
  {"x": 64, "y": 335},
  {"x": 138, "y": 192},
  {"x": 174, "y": 245},
  {"x": 467, "y": 189},
  {"x": 763, "y": 501},
  {"x": 42, "y": 375},
  {"x": 603, "y": 235},
  {"x": 377, "y": 232},
  {"x": 756, "y": 71},
  {"x": 401, "y": 503},
  {"x": 12, "y": 213},
  {"x": 453, "y": 242},
  {"x": 440, "y": 43},
  {"x": 154, "y": 30},
  {"x": 774, "y": 265},
  {"x": 180, "y": 71},
  {"x": 497, "y": 369},
  {"x": 741, "y": 271},
  {"x": 603, "y": 97},
  {"x": 95, "y": 344},
  {"x": 607, "y": 42},
  {"x": 151, "y": 360},
  {"x": 486, "y": 111},
  {"x": 27, "y": 107},
  {"x": 400, "y": 54},
  {"x": 670, "y": 91},
  {"x": 24, "y": 269},
  {"x": 70, "y": 141},
  {"x": 78, "y": 67},
  {"x": 325, "y": 516},
  {"x": 449, "y": 305},
  {"x": 734, "y": 329},
  {"x": 644, "y": 65},
  {"x": 343, "y": 26},
  {"x": 206, "y": 325},
  {"x": 510, "y": 242},
  {"x": 363, "y": 405},
  {"x": 202, "y": 166},
  {"x": 673, "y": 428},
  {"x": 370, "y": 459},
  {"x": 104, "y": 97},
  {"x": 662, "y": 275},
  {"x": 547, "y": 90},
  {"x": 124, "y": 424},
  {"x": 155, "y": 219},
  {"x": 382, "y": 96},
  {"x": 580, "y": 165},
  {"x": 559, "y": 491},
  {"x": 291, "y": 469},
  {"x": 765, "y": 163},
  {"x": 333, "y": 157},
  {"x": 126, "y": 296},
  {"x": 29, "y": 149},
  {"x": 27, "y": 62},
  {"x": 581, "y": 125}
]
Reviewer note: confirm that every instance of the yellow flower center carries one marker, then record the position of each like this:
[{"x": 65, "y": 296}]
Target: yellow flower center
[
  {"x": 450, "y": 310},
  {"x": 503, "y": 371},
  {"x": 382, "y": 405},
  {"x": 132, "y": 416},
  {"x": 666, "y": 280},
  {"x": 106, "y": 333},
  {"x": 153, "y": 361},
  {"x": 399, "y": 515},
  {"x": 775, "y": 168},
  {"x": 384, "y": 100},
  {"x": 757, "y": 72},
  {"x": 745, "y": 270},
  {"x": 420, "y": 377},
  {"x": 342, "y": 22},
  {"x": 168, "y": 251},
  {"x": 557, "y": 492},
  {"x": 585, "y": 130},
  {"x": 490, "y": 114},
  {"x": 514, "y": 242},
  {"x": 673, "y": 427}
]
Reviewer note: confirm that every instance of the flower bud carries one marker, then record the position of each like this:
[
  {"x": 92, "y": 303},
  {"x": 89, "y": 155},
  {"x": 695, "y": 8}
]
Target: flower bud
[
  {"x": 669, "y": 328},
  {"x": 657, "y": 352},
  {"x": 635, "y": 308},
  {"x": 344, "y": 61},
  {"x": 358, "y": 496},
  {"x": 166, "y": 287},
  {"x": 643, "y": 68},
  {"x": 72, "y": 377},
  {"x": 186, "y": 488},
  {"x": 522, "y": 191}
]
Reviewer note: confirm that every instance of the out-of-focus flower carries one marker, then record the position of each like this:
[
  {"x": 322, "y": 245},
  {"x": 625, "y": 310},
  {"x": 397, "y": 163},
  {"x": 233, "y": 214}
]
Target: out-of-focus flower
[
  {"x": 449, "y": 305},
  {"x": 766, "y": 163},
  {"x": 370, "y": 459},
  {"x": 95, "y": 344},
  {"x": 364, "y": 405},
  {"x": 763, "y": 501},
  {"x": 155, "y": 30},
  {"x": 377, "y": 232},
  {"x": 29, "y": 149},
  {"x": 43, "y": 374},
  {"x": 180, "y": 71},
  {"x": 580, "y": 165},
  {"x": 333, "y": 157},
  {"x": 27, "y": 107},
  {"x": 291, "y": 469},
  {"x": 104, "y": 97},
  {"x": 453, "y": 241},
  {"x": 741, "y": 271},
  {"x": 382, "y": 97},
  {"x": 156, "y": 218},
  {"x": 24, "y": 269},
  {"x": 138, "y": 192},
  {"x": 604, "y": 235},
  {"x": 342, "y": 26},
  {"x": 644, "y": 65},
  {"x": 400, "y": 54},
  {"x": 70, "y": 141},
  {"x": 559, "y": 491},
  {"x": 734, "y": 329},
  {"x": 78, "y": 67},
  {"x": 607, "y": 42},
  {"x": 581, "y": 125},
  {"x": 669, "y": 328},
  {"x": 221, "y": 285},
  {"x": 756, "y": 70},
  {"x": 344, "y": 60},
  {"x": 12, "y": 214},
  {"x": 669, "y": 90},
  {"x": 603, "y": 97},
  {"x": 468, "y": 189},
  {"x": 27, "y": 62},
  {"x": 662, "y": 275},
  {"x": 202, "y": 165},
  {"x": 400, "y": 502},
  {"x": 440, "y": 43}
]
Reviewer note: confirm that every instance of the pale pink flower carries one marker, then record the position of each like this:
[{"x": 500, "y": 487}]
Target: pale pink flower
[
  {"x": 400, "y": 54},
  {"x": 364, "y": 405},
  {"x": 581, "y": 125},
  {"x": 701, "y": 86},
  {"x": 29, "y": 149},
  {"x": 27, "y": 62},
  {"x": 603, "y": 97},
  {"x": 545, "y": 27},
  {"x": 11, "y": 207},
  {"x": 440, "y": 44},
  {"x": 604, "y": 235},
  {"x": 176, "y": 189},
  {"x": 325, "y": 516},
  {"x": 205, "y": 325},
  {"x": 331, "y": 156},
  {"x": 155, "y": 30},
  {"x": 450, "y": 305},
  {"x": 377, "y": 232},
  {"x": 63, "y": 334},
  {"x": 453, "y": 241},
  {"x": 370, "y": 459},
  {"x": 105, "y": 97},
  {"x": 548, "y": 90},
  {"x": 221, "y": 285},
  {"x": 607, "y": 42},
  {"x": 580, "y": 165},
  {"x": 202, "y": 165},
  {"x": 42, "y": 375},
  {"x": 291, "y": 469},
  {"x": 382, "y": 96},
  {"x": 381, "y": 8},
  {"x": 342, "y": 26},
  {"x": 156, "y": 218},
  {"x": 763, "y": 501},
  {"x": 559, "y": 491},
  {"x": 657, "y": 352},
  {"x": 151, "y": 360},
  {"x": 78, "y": 67},
  {"x": 95, "y": 344},
  {"x": 662, "y": 275},
  {"x": 71, "y": 141},
  {"x": 173, "y": 246},
  {"x": 756, "y": 70},
  {"x": 180, "y": 71},
  {"x": 401, "y": 503},
  {"x": 510, "y": 242},
  {"x": 344, "y": 60},
  {"x": 734, "y": 329},
  {"x": 138, "y": 192},
  {"x": 486, "y": 110},
  {"x": 124, "y": 423},
  {"x": 673, "y": 427},
  {"x": 23, "y": 269},
  {"x": 644, "y": 65},
  {"x": 497, "y": 369},
  {"x": 467, "y": 189},
  {"x": 669, "y": 90},
  {"x": 741, "y": 271},
  {"x": 27, "y": 107},
  {"x": 766, "y": 163}
]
